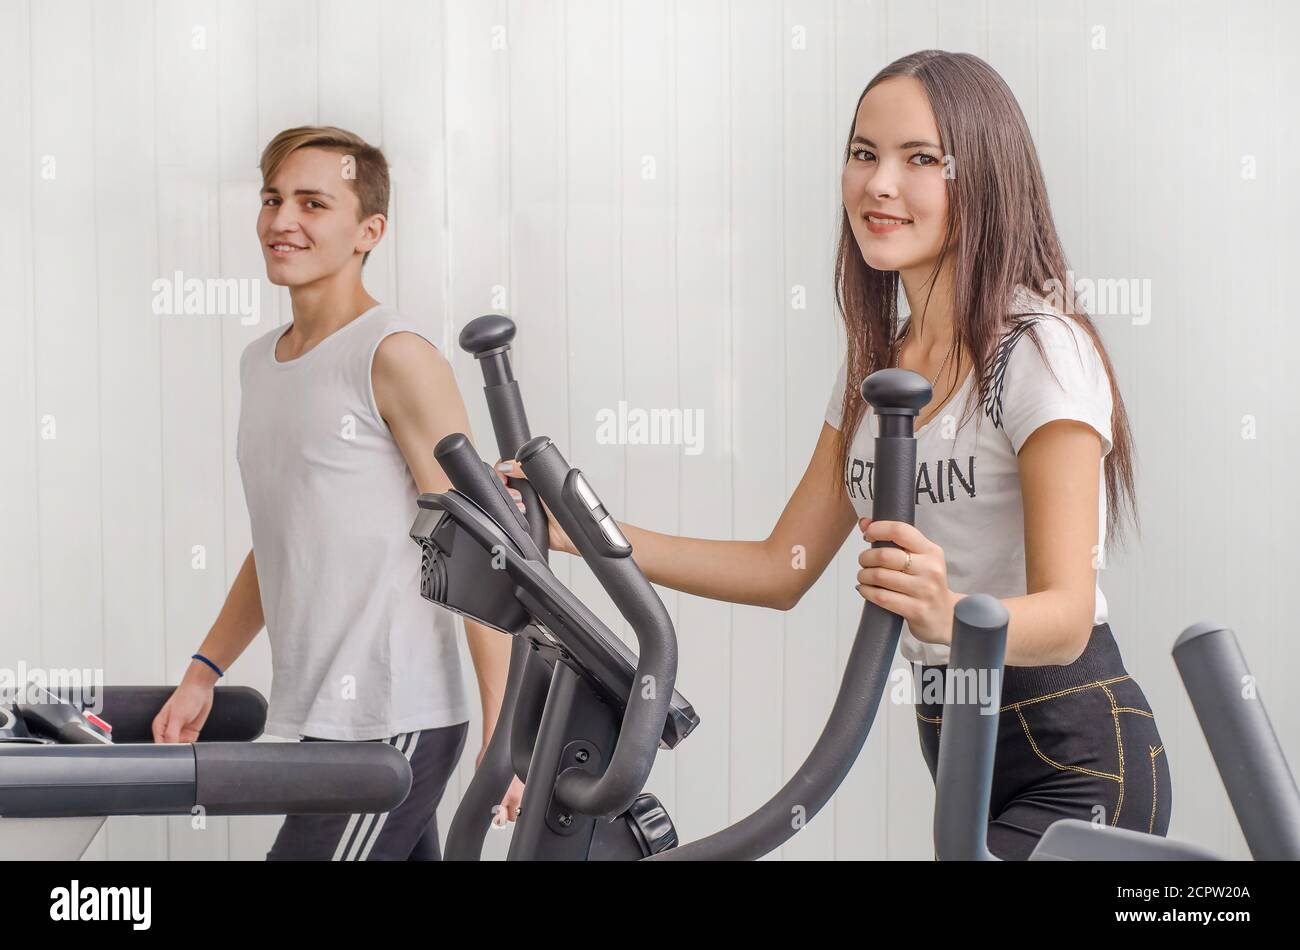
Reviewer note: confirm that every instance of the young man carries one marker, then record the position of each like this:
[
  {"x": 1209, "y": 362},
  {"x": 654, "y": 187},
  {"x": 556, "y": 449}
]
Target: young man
[{"x": 339, "y": 418}]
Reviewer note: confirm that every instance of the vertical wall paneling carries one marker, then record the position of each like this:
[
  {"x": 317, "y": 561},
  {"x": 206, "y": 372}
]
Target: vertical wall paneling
[
  {"x": 1283, "y": 701},
  {"x": 702, "y": 304},
  {"x": 1147, "y": 565},
  {"x": 1251, "y": 444},
  {"x": 647, "y": 177},
  {"x": 1206, "y": 425},
  {"x": 125, "y": 230},
  {"x": 810, "y": 210},
  {"x": 652, "y": 191},
  {"x": 20, "y": 486},
  {"x": 190, "y": 351}
]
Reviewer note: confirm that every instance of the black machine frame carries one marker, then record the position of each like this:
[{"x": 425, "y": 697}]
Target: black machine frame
[{"x": 582, "y": 733}]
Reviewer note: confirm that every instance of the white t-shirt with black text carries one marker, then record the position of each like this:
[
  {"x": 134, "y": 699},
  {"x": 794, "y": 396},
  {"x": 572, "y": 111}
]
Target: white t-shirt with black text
[{"x": 968, "y": 498}]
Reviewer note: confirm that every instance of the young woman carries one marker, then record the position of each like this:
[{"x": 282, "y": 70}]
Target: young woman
[{"x": 1023, "y": 444}]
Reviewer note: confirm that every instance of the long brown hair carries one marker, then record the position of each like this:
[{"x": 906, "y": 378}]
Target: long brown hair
[{"x": 1000, "y": 234}]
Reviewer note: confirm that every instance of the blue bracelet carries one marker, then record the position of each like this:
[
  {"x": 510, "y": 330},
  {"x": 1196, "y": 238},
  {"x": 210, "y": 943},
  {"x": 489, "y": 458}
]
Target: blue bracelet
[{"x": 203, "y": 659}]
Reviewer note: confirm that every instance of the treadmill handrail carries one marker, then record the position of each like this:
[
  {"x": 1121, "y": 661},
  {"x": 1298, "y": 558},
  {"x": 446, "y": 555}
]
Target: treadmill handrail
[
  {"x": 238, "y": 713},
  {"x": 221, "y": 778}
]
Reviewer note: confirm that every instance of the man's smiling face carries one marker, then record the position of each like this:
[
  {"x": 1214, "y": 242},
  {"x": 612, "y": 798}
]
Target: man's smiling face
[{"x": 310, "y": 224}]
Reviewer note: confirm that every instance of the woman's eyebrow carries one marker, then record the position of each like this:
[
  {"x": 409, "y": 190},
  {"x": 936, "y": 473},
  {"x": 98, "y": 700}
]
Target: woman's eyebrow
[{"x": 866, "y": 141}]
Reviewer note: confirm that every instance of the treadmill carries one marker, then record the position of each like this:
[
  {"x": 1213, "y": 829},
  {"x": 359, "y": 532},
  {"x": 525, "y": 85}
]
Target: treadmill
[{"x": 64, "y": 770}]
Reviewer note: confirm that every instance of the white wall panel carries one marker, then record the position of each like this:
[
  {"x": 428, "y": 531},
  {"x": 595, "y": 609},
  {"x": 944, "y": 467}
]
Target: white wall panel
[{"x": 652, "y": 190}]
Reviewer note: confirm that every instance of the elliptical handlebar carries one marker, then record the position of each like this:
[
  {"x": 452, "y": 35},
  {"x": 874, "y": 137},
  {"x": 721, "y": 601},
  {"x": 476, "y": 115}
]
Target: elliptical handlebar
[
  {"x": 1242, "y": 740},
  {"x": 896, "y": 396},
  {"x": 488, "y": 339},
  {"x": 607, "y": 553},
  {"x": 972, "y": 694}
]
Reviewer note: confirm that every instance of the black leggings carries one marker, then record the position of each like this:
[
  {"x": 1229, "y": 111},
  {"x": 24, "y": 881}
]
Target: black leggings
[{"x": 1076, "y": 741}]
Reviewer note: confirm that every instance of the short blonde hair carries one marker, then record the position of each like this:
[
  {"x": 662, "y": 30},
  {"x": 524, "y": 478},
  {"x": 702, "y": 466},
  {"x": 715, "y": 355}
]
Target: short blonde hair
[{"x": 371, "y": 168}]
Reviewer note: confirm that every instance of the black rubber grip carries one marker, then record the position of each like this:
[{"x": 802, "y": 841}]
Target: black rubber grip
[
  {"x": 972, "y": 698},
  {"x": 509, "y": 422},
  {"x": 474, "y": 479},
  {"x": 238, "y": 713},
  {"x": 300, "y": 778}
]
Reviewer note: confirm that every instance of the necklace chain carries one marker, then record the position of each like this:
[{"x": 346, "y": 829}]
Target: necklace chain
[{"x": 898, "y": 353}]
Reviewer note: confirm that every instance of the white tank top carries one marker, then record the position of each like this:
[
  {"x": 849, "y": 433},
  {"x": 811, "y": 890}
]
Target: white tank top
[{"x": 356, "y": 652}]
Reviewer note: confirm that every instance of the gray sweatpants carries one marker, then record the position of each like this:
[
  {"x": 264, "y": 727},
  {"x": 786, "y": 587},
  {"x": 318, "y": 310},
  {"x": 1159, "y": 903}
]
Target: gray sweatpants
[{"x": 407, "y": 833}]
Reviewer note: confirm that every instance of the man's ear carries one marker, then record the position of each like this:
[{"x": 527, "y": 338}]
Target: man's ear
[{"x": 372, "y": 231}]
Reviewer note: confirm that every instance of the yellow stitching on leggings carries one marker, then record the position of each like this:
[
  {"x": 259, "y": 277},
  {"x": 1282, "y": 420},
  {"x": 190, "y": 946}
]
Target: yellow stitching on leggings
[
  {"x": 1119, "y": 745},
  {"x": 1057, "y": 765},
  {"x": 1155, "y": 788},
  {"x": 1072, "y": 689},
  {"x": 1140, "y": 712},
  {"x": 1038, "y": 699}
]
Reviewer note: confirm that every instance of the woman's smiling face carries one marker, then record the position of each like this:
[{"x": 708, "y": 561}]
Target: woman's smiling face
[{"x": 896, "y": 169}]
